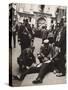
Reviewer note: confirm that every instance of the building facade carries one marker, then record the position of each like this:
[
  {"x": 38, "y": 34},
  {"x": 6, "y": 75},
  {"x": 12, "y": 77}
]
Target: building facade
[{"x": 39, "y": 15}]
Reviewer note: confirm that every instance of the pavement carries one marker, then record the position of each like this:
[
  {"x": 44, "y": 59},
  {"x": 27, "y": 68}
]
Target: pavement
[{"x": 50, "y": 79}]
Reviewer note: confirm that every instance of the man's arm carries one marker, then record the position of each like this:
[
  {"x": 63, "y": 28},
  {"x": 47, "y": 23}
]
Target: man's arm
[{"x": 57, "y": 52}]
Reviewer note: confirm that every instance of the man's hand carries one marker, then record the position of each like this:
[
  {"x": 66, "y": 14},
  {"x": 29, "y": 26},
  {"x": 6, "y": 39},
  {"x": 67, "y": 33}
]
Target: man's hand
[
  {"x": 33, "y": 65},
  {"x": 47, "y": 61},
  {"x": 51, "y": 59},
  {"x": 39, "y": 65}
]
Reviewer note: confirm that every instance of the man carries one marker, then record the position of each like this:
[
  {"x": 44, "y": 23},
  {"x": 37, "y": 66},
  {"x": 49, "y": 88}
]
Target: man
[
  {"x": 24, "y": 36},
  {"x": 45, "y": 51},
  {"x": 52, "y": 25},
  {"x": 28, "y": 28},
  {"x": 44, "y": 33},
  {"x": 52, "y": 61},
  {"x": 33, "y": 31},
  {"x": 51, "y": 31},
  {"x": 57, "y": 28},
  {"x": 61, "y": 42},
  {"x": 26, "y": 61},
  {"x": 29, "y": 31}
]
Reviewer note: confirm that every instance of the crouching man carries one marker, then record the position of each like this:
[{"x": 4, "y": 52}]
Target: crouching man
[
  {"x": 25, "y": 61},
  {"x": 45, "y": 51},
  {"x": 52, "y": 63}
]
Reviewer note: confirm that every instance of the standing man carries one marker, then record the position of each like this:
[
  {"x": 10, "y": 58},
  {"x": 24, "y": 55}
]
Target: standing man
[
  {"x": 33, "y": 31},
  {"x": 52, "y": 26},
  {"x": 44, "y": 33},
  {"x": 61, "y": 42},
  {"x": 28, "y": 27},
  {"x": 24, "y": 37}
]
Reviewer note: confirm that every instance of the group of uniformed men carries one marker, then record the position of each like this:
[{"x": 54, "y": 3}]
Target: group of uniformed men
[{"x": 52, "y": 55}]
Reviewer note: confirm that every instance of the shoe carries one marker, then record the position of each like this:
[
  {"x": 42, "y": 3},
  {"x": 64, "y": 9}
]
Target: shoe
[
  {"x": 56, "y": 71},
  {"x": 60, "y": 74},
  {"x": 17, "y": 77},
  {"x": 37, "y": 81}
]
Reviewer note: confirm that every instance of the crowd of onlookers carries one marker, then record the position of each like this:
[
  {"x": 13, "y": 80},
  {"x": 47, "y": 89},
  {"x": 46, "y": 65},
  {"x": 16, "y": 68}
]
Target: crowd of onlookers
[{"x": 52, "y": 55}]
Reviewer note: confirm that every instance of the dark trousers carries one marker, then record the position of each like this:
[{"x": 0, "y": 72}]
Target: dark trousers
[
  {"x": 45, "y": 69},
  {"x": 48, "y": 67},
  {"x": 60, "y": 65},
  {"x": 30, "y": 71},
  {"x": 42, "y": 70},
  {"x": 25, "y": 44},
  {"x": 14, "y": 39}
]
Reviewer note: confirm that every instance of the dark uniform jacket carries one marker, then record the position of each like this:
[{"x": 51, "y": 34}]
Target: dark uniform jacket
[{"x": 28, "y": 57}]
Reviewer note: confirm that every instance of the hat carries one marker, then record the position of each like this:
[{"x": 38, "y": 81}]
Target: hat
[{"x": 46, "y": 41}]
